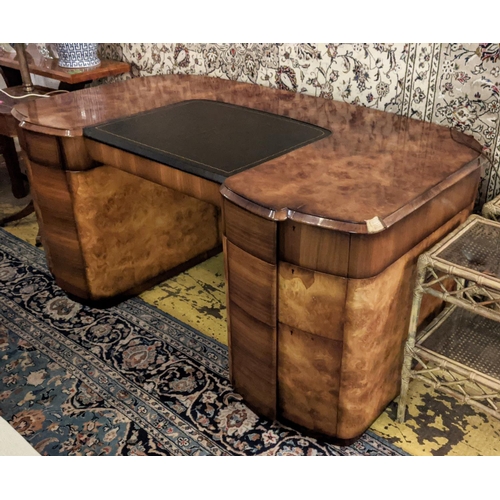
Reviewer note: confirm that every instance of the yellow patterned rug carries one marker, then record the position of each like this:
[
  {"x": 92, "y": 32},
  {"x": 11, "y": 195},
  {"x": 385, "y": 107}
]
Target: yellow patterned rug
[{"x": 436, "y": 424}]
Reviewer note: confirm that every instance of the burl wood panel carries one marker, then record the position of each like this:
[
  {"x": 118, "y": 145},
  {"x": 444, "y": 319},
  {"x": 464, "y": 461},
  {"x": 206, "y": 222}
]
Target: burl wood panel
[
  {"x": 251, "y": 233},
  {"x": 253, "y": 353},
  {"x": 311, "y": 301},
  {"x": 308, "y": 379},
  {"x": 54, "y": 207},
  {"x": 376, "y": 327},
  {"x": 131, "y": 229}
]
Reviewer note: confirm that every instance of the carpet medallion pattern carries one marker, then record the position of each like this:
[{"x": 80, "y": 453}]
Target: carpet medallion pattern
[{"x": 128, "y": 380}]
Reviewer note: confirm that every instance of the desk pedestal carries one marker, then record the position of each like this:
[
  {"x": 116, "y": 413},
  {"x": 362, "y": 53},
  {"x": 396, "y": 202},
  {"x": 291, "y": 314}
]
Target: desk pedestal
[
  {"x": 108, "y": 232},
  {"x": 315, "y": 347}
]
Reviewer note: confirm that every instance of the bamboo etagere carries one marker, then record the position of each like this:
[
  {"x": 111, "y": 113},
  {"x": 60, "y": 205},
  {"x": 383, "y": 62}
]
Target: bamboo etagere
[
  {"x": 491, "y": 210},
  {"x": 459, "y": 352}
]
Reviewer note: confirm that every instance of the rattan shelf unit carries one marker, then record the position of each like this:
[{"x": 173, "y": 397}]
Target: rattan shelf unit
[
  {"x": 491, "y": 210},
  {"x": 459, "y": 352}
]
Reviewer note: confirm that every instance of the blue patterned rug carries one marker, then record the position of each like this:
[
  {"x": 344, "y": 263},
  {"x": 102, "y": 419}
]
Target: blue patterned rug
[{"x": 128, "y": 380}]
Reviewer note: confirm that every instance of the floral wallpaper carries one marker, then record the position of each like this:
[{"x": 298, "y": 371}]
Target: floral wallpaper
[{"x": 455, "y": 84}]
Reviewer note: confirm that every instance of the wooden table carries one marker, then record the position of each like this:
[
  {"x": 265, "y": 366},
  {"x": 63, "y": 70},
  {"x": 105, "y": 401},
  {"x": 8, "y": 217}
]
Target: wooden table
[
  {"x": 320, "y": 243},
  {"x": 70, "y": 78}
]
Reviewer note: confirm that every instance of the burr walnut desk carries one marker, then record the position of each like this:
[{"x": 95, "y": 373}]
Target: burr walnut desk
[{"x": 321, "y": 235}]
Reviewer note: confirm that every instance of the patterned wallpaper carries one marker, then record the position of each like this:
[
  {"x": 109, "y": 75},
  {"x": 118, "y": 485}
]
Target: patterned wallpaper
[{"x": 456, "y": 85}]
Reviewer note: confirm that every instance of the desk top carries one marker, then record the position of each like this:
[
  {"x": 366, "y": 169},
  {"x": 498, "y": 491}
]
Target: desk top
[
  {"x": 50, "y": 68},
  {"x": 374, "y": 166},
  {"x": 8, "y": 124}
]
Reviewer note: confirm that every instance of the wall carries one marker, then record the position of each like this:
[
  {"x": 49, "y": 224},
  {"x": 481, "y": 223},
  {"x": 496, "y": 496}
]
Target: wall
[{"x": 456, "y": 85}]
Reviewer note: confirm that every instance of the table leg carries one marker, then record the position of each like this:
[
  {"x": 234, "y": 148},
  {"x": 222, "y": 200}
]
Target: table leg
[{"x": 17, "y": 178}]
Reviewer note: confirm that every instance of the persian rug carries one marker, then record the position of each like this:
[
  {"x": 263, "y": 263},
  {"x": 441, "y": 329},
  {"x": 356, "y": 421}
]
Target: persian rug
[{"x": 127, "y": 380}]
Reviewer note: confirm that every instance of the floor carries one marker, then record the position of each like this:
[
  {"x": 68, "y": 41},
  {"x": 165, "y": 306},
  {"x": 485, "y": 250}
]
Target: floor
[{"x": 436, "y": 424}]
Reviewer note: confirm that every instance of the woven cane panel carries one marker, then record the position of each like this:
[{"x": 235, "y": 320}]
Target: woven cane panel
[
  {"x": 477, "y": 249},
  {"x": 491, "y": 210},
  {"x": 469, "y": 339}
]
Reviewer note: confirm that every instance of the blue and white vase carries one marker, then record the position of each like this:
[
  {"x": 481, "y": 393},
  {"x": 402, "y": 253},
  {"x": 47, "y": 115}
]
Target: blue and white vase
[{"x": 77, "y": 55}]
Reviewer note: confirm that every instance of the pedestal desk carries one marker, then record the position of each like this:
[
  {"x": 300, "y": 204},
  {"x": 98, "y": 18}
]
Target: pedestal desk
[{"x": 320, "y": 237}]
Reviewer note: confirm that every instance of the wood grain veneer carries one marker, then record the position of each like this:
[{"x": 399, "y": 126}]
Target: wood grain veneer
[
  {"x": 252, "y": 322},
  {"x": 314, "y": 247},
  {"x": 43, "y": 149},
  {"x": 253, "y": 352},
  {"x": 253, "y": 284},
  {"x": 76, "y": 155},
  {"x": 54, "y": 207},
  {"x": 164, "y": 175},
  {"x": 251, "y": 233}
]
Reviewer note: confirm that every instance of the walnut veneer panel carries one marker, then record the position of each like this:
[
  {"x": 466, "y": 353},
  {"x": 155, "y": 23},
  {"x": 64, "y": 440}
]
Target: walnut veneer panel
[
  {"x": 58, "y": 152},
  {"x": 251, "y": 290},
  {"x": 161, "y": 174},
  {"x": 253, "y": 352},
  {"x": 75, "y": 154},
  {"x": 131, "y": 229},
  {"x": 308, "y": 379},
  {"x": 43, "y": 149},
  {"x": 228, "y": 316},
  {"x": 249, "y": 232},
  {"x": 374, "y": 164},
  {"x": 311, "y": 301},
  {"x": 54, "y": 207},
  {"x": 314, "y": 247},
  {"x": 376, "y": 327},
  {"x": 252, "y": 284}
]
